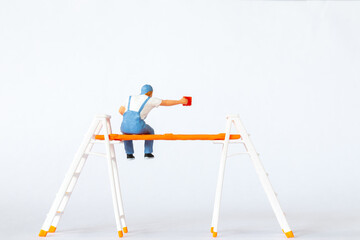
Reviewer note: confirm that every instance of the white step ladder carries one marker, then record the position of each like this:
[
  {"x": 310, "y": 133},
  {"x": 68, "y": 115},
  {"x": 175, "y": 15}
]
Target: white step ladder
[
  {"x": 68, "y": 185},
  {"x": 234, "y": 119}
]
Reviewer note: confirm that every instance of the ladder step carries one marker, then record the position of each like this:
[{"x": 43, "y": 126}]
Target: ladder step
[
  {"x": 236, "y": 154},
  {"x": 59, "y": 212},
  {"x": 96, "y": 154},
  {"x": 230, "y": 141},
  {"x": 102, "y": 141},
  {"x": 67, "y": 194}
]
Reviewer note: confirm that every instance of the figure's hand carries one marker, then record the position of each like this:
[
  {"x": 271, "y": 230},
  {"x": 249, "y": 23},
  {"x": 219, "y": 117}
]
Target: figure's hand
[
  {"x": 183, "y": 101},
  {"x": 122, "y": 110}
]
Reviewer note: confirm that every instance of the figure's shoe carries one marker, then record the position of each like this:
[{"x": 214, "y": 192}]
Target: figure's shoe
[
  {"x": 148, "y": 155},
  {"x": 130, "y": 156}
]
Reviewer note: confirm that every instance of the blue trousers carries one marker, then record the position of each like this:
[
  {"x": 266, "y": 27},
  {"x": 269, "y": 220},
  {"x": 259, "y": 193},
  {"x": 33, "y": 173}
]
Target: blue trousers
[{"x": 129, "y": 147}]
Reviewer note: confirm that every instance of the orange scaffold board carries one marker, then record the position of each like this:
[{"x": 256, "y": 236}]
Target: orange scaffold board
[{"x": 167, "y": 136}]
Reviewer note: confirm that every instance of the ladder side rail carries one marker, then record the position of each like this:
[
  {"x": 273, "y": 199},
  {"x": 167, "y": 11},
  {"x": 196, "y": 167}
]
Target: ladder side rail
[
  {"x": 68, "y": 177},
  {"x": 117, "y": 183},
  {"x": 118, "y": 192},
  {"x": 265, "y": 182},
  {"x": 107, "y": 131},
  {"x": 216, "y": 211},
  {"x": 74, "y": 180}
]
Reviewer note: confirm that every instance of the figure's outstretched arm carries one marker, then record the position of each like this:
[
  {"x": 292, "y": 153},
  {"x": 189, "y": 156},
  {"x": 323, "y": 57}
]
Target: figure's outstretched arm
[
  {"x": 122, "y": 110},
  {"x": 173, "y": 102}
]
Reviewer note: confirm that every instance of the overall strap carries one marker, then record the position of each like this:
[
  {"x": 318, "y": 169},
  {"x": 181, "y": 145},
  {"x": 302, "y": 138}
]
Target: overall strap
[
  {"x": 129, "y": 103},
  {"x": 142, "y": 106}
]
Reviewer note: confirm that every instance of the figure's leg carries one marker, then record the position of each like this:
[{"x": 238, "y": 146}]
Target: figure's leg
[
  {"x": 148, "y": 143},
  {"x": 149, "y": 146},
  {"x": 129, "y": 148}
]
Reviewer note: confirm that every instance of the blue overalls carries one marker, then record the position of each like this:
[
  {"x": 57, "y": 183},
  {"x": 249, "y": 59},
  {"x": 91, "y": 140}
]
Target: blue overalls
[{"x": 133, "y": 124}]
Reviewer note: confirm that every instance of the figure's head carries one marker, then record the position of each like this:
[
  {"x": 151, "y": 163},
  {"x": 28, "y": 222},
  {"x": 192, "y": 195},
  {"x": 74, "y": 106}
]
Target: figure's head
[{"x": 147, "y": 90}]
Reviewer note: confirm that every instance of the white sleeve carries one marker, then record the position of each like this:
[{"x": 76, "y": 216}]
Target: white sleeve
[{"x": 155, "y": 102}]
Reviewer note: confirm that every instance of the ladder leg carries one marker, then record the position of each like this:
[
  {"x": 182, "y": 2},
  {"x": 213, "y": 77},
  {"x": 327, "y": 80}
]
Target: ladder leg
[
  {"x": 216, "y": 212},
  {"x": 117, "y": 183},
  {"x": 70, "y": 179},
  {"x": 264, "y": 180},
  {"x": 72, "y": 184},
  {"x": 115, "y": 202},
  {"x": 271, "y": 196},
  {"x": 112, "y": 180},
  {"x": 118, "y": 191},
  {"x": 47, "y": 227},
  {"x": 66, "y": 197}
]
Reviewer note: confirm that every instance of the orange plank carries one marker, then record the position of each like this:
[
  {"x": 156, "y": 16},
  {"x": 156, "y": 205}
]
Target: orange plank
[{"x": 168, "y": 136}]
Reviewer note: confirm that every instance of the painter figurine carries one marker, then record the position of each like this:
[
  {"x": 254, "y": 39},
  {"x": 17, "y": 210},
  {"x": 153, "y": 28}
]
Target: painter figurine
[{"x": 138, "y": 107}]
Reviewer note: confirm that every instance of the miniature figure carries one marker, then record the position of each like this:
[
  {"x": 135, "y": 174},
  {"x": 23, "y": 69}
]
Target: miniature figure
[{"x": 138, "y": 107}]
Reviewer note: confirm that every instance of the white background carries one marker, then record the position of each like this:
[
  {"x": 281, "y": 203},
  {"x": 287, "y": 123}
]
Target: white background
[{"x": 289, "y": 69}]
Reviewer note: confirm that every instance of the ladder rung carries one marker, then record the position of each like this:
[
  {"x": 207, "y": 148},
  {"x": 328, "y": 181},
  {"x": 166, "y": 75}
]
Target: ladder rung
[
  {"x": 102, "y": 141},
  {"x": 67, "y": 194},
  {"x": 230, "y": 141},
  {"x": 96, "y": 154},
  {"x": 236, "y": 154},
  {"x": 59, "y": 212}
]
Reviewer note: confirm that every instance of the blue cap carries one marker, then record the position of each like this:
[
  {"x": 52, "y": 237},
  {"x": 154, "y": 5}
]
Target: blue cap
[{"x": 146, "y": 88}]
